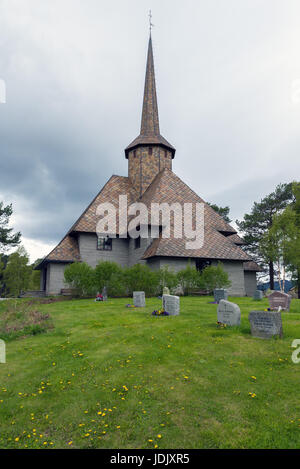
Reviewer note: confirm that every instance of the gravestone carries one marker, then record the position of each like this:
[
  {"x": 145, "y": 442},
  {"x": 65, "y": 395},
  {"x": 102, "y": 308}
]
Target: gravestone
[
  {"x": 171, "y": 304},
  {"x": 220, "y": 294},
  {"x": 265, "y": 324},
  {"x": 139, "y": 299},
  {"x": 258, "y": 295},
  {"x": 104, "y": 294},
  {"x": 166, "y": 291},
  {"x": 229, "y": 313},
  {"x": 278, "y": 298}
]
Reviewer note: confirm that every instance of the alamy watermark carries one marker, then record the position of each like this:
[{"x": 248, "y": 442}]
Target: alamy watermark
[
  {"x": 2, "y": 351},
  {"x": 296, "y": 353},
  {"x": 2, "y": 92},
  {"x": 161, "y": 220}
]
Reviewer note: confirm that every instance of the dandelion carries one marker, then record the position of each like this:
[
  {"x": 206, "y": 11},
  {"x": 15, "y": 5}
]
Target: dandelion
[{"x": 17, "y": 439}]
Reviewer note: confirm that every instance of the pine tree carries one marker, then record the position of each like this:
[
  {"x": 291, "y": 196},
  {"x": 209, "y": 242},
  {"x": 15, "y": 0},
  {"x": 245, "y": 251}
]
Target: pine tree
[
  {"x": 7, "y": 238},
  {"x": 257, "y": 223}
]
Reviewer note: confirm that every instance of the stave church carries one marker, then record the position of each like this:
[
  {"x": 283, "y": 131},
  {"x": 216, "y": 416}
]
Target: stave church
[{"x": 150, "y": 180}]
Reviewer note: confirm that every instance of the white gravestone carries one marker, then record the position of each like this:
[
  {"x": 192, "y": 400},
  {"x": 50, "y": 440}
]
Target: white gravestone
[
  {"x": 229, "y": 313},
  {"x": 171, "y": 304},
  {"x": 139, "y": 299}
]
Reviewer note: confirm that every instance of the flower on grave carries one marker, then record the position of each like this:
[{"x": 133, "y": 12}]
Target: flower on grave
[
  {"x": 159, "y": 312},
  {"x": 130, "y": 306}
]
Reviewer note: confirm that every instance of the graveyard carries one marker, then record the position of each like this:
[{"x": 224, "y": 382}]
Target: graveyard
[{"x": 107, "y": 376}]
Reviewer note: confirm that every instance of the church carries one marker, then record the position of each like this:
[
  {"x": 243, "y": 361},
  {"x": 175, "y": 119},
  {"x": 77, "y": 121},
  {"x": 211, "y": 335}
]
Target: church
[{"x": 150, "y": 180}]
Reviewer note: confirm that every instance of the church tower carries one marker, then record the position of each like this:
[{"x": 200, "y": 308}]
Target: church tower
[{"x": 149, "y": 153}]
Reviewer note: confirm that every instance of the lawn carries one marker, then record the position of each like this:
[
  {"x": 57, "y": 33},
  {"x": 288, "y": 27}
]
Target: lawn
[{"x": 108, "y": 376}]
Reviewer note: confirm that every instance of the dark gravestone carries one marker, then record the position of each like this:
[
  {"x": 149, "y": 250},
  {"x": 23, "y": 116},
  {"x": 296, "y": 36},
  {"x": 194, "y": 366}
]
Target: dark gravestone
[
  {"x": 139, "y": 299},
  {"x": 258, "y": 295},
  {"x": 278, "y": 299},
  {"x": 229, "y": 313},
  {"x": 220, "y": 294},
  {"x": 265, "y": 324}
]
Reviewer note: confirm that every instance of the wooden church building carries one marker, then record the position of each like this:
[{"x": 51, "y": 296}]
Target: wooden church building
[{"x": 150, "y": 180}]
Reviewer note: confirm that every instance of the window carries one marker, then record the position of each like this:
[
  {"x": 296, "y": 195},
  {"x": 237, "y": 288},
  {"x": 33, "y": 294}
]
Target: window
[
  {"x": 150, "y": 151},
  {"x": 201, "y": 264},
  {"x": 134, "y": 153},
  {"x": 137, "y": 243},
  {"x": 104, "y": 244},
  {"x": 166, "y": 154}
]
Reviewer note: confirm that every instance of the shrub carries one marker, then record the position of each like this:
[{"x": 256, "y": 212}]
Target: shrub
[
  {"x": 167, "y": 278},
  {"x": 110, "y": 275},
  {"x": 188, "y": 279},
  {"x": 81, "y": 277},
  {"x": 214, "y": 277},
  {"x": 140, "y": 277}
]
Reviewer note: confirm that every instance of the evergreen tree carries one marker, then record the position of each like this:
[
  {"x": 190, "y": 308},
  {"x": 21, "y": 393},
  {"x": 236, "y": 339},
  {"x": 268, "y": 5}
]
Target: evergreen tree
[
  {"x": 7, "y": 238},
  {"x": 223, "y": 211},
  {"x": 257, "y": 223}
]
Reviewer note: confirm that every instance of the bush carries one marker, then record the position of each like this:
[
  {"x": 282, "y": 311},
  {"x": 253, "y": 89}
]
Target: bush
[
  {"x": 110, "y": 275},
  {"x": 81, "y": 277},
  {"x": 167, "y": 278},
  {"x": 214, "y": 277},
  {"x": 188, "y": 279},
  {"x": 140, "y": 277}
]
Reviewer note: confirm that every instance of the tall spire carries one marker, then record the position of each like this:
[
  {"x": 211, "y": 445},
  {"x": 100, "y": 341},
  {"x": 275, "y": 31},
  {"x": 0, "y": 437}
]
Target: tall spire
[
  {"x": 150, "y": 119},
  {"x": 150, "y": 133}
]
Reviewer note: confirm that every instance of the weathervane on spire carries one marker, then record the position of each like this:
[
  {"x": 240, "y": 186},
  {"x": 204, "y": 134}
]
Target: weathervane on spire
[{"x": 150, "y": 22}]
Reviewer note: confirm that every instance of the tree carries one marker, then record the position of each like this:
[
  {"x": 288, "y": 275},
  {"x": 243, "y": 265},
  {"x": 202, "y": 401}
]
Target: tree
[
  {"x": 223, "y": 211},
  {"x": 17, "y": 273},
  {"x": 7, "y": 238},
  {"x": 276, "y": 243},
  {"x": 81, "y": 277},
  {"x": 188, "y": 279},
  {"x": 213, "y": 277},
  {"x": 259, "y": 221}
]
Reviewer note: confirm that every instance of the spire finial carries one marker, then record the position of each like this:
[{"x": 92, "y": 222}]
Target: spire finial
[{"x": 150, "y": 22}]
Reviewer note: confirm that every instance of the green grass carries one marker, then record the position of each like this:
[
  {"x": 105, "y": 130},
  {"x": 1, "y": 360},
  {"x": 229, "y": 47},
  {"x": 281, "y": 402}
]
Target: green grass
[{"x": 184, "y": 379}]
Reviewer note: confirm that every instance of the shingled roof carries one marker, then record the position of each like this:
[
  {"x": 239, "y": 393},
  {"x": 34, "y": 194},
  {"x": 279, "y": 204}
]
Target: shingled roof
[
  {"x": 169, "y": 188},
  {"x": 67, "y": 250}
]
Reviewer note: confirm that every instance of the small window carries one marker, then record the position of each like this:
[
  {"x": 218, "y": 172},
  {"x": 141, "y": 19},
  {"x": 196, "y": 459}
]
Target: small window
[
  {"x": 137, "y": 243},
  {"x": 150, "y": 151},
  {"x": 166, "y": 154},
  {"x": 201, "y": 264},
  {"x": 134, "y": 153},
  {"x": 104, "y": 244}
]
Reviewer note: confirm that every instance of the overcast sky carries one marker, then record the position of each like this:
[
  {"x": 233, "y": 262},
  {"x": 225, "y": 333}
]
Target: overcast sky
[{"x": 228, "y": 83}]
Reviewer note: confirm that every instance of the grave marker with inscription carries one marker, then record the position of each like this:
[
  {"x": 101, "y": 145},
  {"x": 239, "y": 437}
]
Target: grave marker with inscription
[
  {"x": 139, "y": 299},
  {"x": 171, "y": 304},
  {"x": 229, "y": 313},
  {"x": 220, "y": 294},
  {"x": 278, "y": 298},
  {"x": 265, "y": 324}
]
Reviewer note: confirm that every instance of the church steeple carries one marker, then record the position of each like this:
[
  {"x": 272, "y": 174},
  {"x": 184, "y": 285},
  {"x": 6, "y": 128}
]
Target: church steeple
[
  {"x": 150, "y": 133},
  {"x": 150, "y": 152},
  {"x": 150, "y": 119}
]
